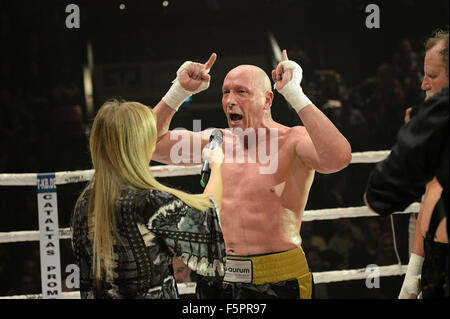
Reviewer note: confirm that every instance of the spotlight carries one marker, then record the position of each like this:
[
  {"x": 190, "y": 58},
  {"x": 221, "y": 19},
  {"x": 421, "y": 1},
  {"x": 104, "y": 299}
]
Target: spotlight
[
  {"x": 165, "y": 3},
  {"x": 122, "y": 6}
]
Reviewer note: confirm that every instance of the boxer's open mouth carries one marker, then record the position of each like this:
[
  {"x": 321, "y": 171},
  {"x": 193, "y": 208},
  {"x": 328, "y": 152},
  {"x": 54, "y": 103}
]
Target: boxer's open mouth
[{"x": 235, "y": 117}]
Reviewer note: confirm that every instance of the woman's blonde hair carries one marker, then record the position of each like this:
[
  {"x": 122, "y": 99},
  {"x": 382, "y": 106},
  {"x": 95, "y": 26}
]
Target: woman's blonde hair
[{"x": 123, "y": 139}]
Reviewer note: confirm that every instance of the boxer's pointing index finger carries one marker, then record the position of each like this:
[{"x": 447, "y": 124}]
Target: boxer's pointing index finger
[
  {"x": 284, "y": 55},
  {"x": 210, "y": 61}
]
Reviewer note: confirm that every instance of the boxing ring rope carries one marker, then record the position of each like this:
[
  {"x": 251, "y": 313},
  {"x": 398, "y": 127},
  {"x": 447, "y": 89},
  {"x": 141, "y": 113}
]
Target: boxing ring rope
[
  {"x": 319, "y": 278},
  {"x": 309, "y": 215},
  {"x": 30, "y": 179}
]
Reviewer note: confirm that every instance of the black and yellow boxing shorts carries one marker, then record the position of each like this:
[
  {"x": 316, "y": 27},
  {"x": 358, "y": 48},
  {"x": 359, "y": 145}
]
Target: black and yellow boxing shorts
[{"x": 283, "y": 275}]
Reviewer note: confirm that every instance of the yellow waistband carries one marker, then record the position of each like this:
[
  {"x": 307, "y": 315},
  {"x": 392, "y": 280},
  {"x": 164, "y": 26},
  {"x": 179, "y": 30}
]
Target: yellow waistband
[{"x": 277, "y": 267}]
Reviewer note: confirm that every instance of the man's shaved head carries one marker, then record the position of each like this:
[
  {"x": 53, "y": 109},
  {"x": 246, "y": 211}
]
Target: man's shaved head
[{"x": 260, "y": 78}]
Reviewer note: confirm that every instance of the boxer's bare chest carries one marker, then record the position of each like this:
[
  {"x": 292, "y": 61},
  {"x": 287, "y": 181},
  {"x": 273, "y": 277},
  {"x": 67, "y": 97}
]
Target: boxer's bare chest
[
  {"x": 263, "y": 201},
  {"x": 256, "y": 181}
]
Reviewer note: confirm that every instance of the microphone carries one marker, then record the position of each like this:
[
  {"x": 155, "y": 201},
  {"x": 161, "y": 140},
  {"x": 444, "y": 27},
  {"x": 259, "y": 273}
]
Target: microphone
[{"x": 215, "y": 140}]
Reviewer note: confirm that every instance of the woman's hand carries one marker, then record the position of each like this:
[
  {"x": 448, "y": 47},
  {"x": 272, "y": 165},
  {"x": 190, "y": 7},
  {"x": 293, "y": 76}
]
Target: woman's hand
[{"x": 214, "y": 157}]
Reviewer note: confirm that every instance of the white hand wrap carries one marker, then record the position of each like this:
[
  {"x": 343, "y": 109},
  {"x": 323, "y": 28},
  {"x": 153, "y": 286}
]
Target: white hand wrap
[
  {"x": 292, "y": 91},
  {"x": 177, "y": 94},
  {"x": 411, "y": 282}
]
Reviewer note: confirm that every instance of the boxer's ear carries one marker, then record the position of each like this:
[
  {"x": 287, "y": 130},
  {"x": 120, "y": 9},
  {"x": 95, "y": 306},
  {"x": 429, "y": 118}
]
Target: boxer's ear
[{"x": 268, "y": 96}]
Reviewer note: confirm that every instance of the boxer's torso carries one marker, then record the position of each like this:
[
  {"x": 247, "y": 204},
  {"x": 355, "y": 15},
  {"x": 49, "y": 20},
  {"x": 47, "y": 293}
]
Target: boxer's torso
[{"x": 261, "y": 213}]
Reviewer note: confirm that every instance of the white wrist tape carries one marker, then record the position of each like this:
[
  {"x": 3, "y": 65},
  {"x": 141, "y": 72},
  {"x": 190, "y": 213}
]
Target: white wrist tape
[
  {"x": 292, "y": 91},
  {"x": 411, "y": 281},
  {"x": 177, "y": 94}
]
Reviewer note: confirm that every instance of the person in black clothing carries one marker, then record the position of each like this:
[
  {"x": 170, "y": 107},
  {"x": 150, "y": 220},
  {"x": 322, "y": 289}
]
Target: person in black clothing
[
  {"x": 127, "y": 227},
  {"x": 426, "y": 140},
  {"x": 435, "y": 79},
  {"x": 419, "y": 155}
]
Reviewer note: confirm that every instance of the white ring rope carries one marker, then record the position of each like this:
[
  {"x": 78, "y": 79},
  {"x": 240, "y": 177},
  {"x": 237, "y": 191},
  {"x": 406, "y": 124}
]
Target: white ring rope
[
  {"x": 30, "y": 179},
  {"x": 369, "y": 157},
  {"x": 319, "y": 278},
  {"x": 309, "y": 215},
  {"x": 29, "y": 235},
  {"x": 65, "y": 295}
]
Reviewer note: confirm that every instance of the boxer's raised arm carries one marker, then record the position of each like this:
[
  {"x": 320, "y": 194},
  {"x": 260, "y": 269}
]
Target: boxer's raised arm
[
  {"x": 181, "y": 147},
  {"x": 164, "y": 114},
  {"x": 191, "y": 78},
  {"x": 323, "y": 148}
]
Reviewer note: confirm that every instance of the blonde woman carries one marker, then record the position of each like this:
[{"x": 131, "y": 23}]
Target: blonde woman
[{"x": 127, "y": 227}]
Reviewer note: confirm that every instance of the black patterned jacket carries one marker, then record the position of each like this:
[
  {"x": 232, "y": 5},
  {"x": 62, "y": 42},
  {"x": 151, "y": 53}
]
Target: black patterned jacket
[{"x": 153, "y": 227}]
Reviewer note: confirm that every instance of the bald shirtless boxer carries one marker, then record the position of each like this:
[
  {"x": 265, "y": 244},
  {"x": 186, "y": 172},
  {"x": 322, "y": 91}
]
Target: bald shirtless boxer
[{"x": 261, "y": 212}]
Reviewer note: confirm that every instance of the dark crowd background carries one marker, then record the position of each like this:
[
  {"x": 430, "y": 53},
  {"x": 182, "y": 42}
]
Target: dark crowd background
[{"x": 362, "y": 79}]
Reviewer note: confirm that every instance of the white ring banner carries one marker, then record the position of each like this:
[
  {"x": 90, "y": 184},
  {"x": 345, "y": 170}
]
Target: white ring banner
[{"x": 49, "y": 236}]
